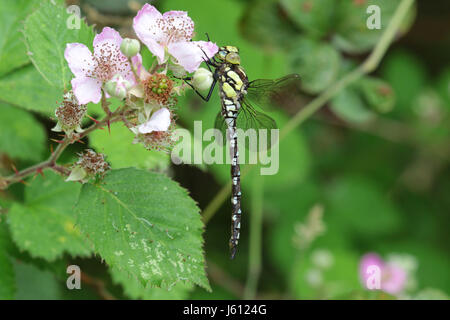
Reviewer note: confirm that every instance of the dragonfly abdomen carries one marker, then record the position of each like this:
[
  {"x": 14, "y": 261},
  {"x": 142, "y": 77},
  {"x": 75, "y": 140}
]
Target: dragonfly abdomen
[
  {"x": 233, "y": 82},
  {"x": 229, "y": 112}
]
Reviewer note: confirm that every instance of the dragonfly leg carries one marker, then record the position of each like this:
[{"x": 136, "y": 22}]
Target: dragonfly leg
[{"x": 211, "y": 89}]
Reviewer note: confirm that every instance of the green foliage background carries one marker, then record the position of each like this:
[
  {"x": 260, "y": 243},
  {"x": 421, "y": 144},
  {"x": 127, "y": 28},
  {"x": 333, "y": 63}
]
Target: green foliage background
[{"x": 374, "y": 160}]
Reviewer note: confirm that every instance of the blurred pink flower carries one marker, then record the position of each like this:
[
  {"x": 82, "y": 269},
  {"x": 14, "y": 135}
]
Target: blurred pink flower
[
  {"x": 92, "y": 70},
  {"x": 171, "y": 32},
  {"x": 392, "y": 277}
]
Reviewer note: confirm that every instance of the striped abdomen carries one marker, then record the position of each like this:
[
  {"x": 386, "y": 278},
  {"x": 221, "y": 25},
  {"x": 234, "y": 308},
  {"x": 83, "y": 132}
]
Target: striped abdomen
[{"x": 232, "y": 82}]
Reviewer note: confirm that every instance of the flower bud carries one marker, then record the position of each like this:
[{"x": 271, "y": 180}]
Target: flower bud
[
  {"x": 117, "y": 87},
  {"x": 130, "y": 47},
  {"x": 202, "y": 79}
]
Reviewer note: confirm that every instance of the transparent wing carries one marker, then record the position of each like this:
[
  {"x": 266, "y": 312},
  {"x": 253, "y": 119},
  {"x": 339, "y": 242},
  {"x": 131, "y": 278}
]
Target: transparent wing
[
  {"x": 265, "y": 93},
  {"x": 262, "y": 124},
  {"x": 250, "y": 118},
  {"x": 251, "y": 121},
  {"x": 221, "y": 125}
]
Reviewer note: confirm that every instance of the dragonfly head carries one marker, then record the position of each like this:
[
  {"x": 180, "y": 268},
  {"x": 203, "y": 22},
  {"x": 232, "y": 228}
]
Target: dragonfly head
[{"x": 229, "y": 54}]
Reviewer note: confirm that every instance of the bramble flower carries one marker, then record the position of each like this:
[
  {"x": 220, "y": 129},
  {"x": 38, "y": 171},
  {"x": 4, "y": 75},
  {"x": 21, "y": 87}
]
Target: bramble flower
[
  {"x": 89, "y": 165},
  {"x": 93, "y": 70},
  {"x": 393, "y": 277},
  {"x": 170, "y": 34},
  {"x": 69, "y": 114},
  {"x": 156, "y": 133}
]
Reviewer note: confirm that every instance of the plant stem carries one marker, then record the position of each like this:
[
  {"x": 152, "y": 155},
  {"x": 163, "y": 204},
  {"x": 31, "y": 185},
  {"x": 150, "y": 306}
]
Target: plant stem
[
  {"x": 219, "y": 276},
  {"x": 369, "y": 65},
  {"x": 98, "y": 285},
  {"x": 50, "y": 163},
  {"x": 255, "y": 260}
]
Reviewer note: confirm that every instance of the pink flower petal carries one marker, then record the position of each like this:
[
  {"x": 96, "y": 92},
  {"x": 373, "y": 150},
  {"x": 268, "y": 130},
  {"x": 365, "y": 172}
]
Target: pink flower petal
[
  {"x": 181, "y": 25},
  {"x": 189, "y": 55},
  {"x": 87, "y": 89},
  {"x": 110, "y": 35},
  {"x": 394, "y": 279},
  {"x": 147, "y": 26},
  {"x": 159, "y": 121},
  {"x": 79, "y": 58},
  {"x": 210, "y": 48}
]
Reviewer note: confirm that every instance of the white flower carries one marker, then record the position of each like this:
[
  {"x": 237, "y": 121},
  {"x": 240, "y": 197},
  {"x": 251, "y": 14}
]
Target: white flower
[{"x": 159, "y": 121}]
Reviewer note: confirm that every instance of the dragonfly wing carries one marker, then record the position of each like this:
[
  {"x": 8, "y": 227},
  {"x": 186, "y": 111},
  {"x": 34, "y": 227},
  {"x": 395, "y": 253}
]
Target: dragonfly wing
[
  {"x": 264, "y": 93},
  {"x": 221, "y": 125},
  {"x": 250, "y": 118}
]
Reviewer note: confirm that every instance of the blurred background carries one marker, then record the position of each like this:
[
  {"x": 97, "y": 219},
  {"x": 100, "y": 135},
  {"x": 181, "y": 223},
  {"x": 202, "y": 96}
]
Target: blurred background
[{"x": 366, "y": 176}]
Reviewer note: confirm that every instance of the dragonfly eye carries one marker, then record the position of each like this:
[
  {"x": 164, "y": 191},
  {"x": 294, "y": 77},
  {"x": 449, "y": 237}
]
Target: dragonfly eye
[
  {"x": 222, "y": 54},
  {"x": 233, "y": 58}
]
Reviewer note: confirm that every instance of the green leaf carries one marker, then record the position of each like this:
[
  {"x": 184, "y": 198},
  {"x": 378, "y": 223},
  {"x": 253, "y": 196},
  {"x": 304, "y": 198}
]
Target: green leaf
[
  {"x": 313, "y": 16},
  {"x": 121, "y": 152},
  {"x": 45, "y": 224},
  {"x": 266, "y": 26},
  {"x": 27, "y": 89},
  {"x": 361, "y": 101},
  {"x": 146, "y": 225},
  {"x": 46, "y": 36},
  {"x": 23, "y": 137},
  {"x": 407, "y": 76},
  {"x": 353, "y": 35},
  {"x": 317, "y": 63},
  {"x": 378, "y": 94},
  {"x": 349, "y": 105},
  {"x": 35, "y": 284},
  {"x": 13, "y": 52},
  {"x": 136, "y": 290},
  {"x": 7, "y": 276}
]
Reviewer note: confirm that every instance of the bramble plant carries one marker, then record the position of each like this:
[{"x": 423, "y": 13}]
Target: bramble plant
[{"x": 152, "y": 230}]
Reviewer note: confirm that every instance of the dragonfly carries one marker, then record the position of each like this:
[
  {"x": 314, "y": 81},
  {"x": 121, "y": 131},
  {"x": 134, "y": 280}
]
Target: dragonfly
[{"x": 243, "y": 102}]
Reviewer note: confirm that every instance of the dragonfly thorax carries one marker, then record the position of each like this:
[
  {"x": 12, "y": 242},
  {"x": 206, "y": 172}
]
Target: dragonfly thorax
[{"x": 233, "y": 82}]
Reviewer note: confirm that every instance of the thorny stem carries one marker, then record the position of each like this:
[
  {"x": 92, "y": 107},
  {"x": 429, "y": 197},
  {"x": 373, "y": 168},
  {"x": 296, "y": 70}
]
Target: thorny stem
[
  {"x": 369, "y": 65},
  {"x": 50, "y": 163}
]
